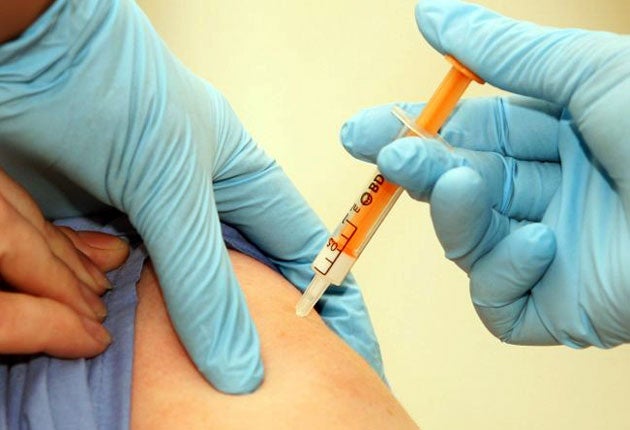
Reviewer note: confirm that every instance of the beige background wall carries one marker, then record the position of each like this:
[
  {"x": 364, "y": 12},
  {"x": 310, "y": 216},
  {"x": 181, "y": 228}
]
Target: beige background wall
[{"x": 294, "y": 71}]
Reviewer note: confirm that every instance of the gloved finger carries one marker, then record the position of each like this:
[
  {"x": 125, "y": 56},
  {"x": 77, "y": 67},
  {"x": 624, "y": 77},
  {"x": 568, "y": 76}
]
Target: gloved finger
[
  {"x": 516, "y": 188},
  {"x": 416, "y": 164},
  {"x": 36, "y": 324},
  {"x": 463, "y": 218},
  {"x": 24, "y": 204},
  {"x": 254, "y": 195},
  {"x": 520, "y": 57},
  {"x": 106, "y": 251},
  {"x": 500, "y": 284},
  {"x": 528, "y": 188},
  {"x": 180, "y": 227},
  {"x": 582, "y": 70},
  {"x": 28, "y": 265},
  {"x": 518, "y": 127},
  {"x": 371, "y": 129},
  {"x": 513, "y": 144}
]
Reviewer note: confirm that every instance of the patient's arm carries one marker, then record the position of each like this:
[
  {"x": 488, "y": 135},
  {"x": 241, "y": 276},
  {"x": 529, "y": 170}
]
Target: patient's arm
[
  {"x": 312, "y": 380},
  {"x": 17, "y": 15}
]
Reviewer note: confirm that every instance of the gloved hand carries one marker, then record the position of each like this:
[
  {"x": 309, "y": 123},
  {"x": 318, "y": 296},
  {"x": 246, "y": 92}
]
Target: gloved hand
[
  {"x": 91, "y": 101},
  {"x": 534, "y": 203}
]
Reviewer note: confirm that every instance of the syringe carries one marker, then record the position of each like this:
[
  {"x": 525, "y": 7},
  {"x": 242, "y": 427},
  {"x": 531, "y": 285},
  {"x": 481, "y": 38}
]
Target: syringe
[{"x": 344, "y": 247}]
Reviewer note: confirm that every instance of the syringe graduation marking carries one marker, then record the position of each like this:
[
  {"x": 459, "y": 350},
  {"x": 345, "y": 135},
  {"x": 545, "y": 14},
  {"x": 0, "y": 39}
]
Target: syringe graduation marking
[{"x": 334, "y": 245}]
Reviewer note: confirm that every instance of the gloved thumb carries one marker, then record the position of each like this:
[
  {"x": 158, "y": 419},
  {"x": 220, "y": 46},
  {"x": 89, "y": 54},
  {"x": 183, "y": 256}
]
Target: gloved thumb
[
  {"x": 179, "y": 223},
  {"x": 584, "y": 71},
  {"x": 518, "y": 56}
]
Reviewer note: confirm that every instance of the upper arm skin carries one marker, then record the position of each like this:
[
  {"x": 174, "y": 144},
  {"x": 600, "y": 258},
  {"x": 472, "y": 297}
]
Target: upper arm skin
[
  {"x": 17, "y": 15},
  {"x": 313, "y": 380}
]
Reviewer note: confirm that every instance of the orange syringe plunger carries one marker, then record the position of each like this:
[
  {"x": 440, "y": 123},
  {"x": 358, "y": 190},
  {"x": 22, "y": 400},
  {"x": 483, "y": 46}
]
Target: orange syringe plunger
[
  {"x": 444, "y": 99},
  {"x": 343, "y": 248}
]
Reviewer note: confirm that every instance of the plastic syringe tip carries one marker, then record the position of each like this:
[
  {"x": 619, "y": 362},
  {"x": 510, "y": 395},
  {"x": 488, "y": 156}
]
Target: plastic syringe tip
[{"x": 313, "y": 293}]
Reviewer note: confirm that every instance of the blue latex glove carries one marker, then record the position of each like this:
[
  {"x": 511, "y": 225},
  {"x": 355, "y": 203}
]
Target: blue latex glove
[
  {"x": 92, "y": 101},
  {"x": 534, "y": 203}
]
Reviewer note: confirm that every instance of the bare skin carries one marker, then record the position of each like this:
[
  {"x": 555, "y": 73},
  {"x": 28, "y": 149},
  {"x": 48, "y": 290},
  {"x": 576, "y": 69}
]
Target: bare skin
[
  {"x": 313, "y": 380},
  {"x": 17, "y": 15},
  {"x": 51, "y": 280}
]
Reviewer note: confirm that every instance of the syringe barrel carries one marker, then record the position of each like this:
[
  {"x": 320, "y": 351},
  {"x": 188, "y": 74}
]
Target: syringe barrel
[
  {"x": 356, "y": 229},
  {"x": 377, "y": 198}
]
